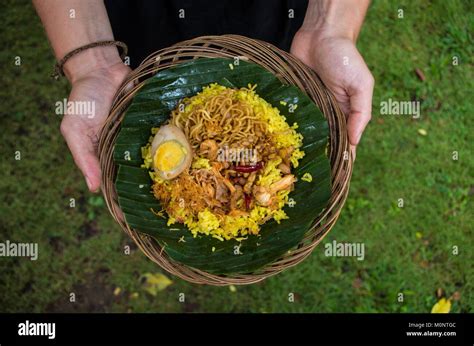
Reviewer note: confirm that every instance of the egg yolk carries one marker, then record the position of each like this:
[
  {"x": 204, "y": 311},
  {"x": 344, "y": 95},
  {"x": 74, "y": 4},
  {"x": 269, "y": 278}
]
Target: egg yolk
[{"x": 169, "y": 155}]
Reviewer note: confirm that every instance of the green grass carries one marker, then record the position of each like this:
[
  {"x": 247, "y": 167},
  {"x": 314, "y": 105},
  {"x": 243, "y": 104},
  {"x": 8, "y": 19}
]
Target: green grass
[{"x": 82, "y": 249}]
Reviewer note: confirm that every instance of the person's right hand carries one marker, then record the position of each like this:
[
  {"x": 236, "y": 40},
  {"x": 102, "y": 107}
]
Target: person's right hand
[
  {"x": 343, "y": 70},
  {"x": 81, "y": 130}
]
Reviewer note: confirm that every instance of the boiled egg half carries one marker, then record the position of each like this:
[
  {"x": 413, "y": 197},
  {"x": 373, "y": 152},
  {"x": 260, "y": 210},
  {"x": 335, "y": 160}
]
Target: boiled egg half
[{"x": 171, "y": 152}]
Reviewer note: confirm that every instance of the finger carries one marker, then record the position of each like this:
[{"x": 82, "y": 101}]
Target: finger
[
  {"x": 360, "y": 108},
  {"x": 83, "y": 151}
]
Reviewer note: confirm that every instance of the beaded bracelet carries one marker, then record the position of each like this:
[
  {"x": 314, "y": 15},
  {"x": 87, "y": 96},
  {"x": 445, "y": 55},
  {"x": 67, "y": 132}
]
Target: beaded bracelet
[{"x": 58, "y": 67}]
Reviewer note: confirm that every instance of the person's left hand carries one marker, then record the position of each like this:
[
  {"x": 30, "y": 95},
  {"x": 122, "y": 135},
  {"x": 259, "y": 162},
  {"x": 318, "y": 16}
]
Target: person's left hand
[
  {"x": 342, "y": 69},
  {"x": 97, "y": 87}
]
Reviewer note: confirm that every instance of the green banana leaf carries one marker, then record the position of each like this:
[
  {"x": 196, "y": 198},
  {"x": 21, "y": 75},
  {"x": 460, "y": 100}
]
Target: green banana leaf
[{"x": 151, "y": 107}]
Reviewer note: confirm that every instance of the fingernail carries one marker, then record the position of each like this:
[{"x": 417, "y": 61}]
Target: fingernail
[
  {"x": 354, "y": 139},
  {"x": 89, "y": 184},
  {"x": 358, "y": 138}
]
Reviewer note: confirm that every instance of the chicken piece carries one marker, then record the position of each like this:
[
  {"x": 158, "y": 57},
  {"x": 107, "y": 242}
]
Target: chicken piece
[
  {"x": 234, "y": 197},
  {"x": 285, "y": 155},
  {"x": 209, "y": 189},
  {"x": 217, "y": 166},
  {"x": 249, "y": 183},
  {"x": 228, "y": 184},
  {"x": 264, "y": 195},
  {"x": 210, "y": 148},
  {"x": 222, "y": 179},
  {"x": 222, "y": 193},
  {"x": 285, "y": 169},
  {"x": 282, "y": 184}
]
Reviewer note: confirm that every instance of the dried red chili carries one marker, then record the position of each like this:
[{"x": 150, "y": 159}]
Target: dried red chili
[
  {"x": 248, "y": 200},
  {"x": 248, "y": 168}
]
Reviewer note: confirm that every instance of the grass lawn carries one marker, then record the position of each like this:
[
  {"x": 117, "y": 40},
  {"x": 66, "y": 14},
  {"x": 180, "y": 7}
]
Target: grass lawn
[{"x": 408, "y": 249}]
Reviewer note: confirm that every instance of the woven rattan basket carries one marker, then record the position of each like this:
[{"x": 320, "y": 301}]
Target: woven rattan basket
[{"x": 290, "y": 71}]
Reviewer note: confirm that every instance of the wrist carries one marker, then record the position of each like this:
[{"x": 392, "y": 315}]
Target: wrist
[
  {"x": 91, "y": 60},
  {"x": 327, "y": 26},
  {"x": 332, "y": 32},
  {"x": 327, "y": 19},
  {"x": 317, "y": 36}
]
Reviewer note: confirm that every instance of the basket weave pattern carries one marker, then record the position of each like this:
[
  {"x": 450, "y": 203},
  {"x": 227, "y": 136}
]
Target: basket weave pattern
[{"x": 290, "y": 71}]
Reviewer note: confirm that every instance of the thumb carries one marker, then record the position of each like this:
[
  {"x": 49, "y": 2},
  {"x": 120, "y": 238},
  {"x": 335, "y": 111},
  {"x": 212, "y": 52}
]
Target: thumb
[
  {"x": 360, "y": 108},
  {"x": 83, "y": 149}
]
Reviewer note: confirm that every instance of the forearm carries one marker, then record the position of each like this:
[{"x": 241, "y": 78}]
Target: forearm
[
  {"x": 340, "y": 18},
  {"x": 70, "y": 24}
]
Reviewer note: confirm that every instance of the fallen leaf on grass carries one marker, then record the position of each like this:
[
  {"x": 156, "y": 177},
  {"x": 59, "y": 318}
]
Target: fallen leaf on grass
[
  {"x": 422, "y": 132},
  {"x": 456, "y": 296},
  {"x": 154, "y": 283},
  {"x": 424, "y": 264},
  {"x": 443, "y": 306},
  {"x": 357, "y": 283},
  {"x": 420, "y": 74},
  {"x": 117, "y": 291}
]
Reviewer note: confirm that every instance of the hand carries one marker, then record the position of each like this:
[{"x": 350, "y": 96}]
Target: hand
[
  {"x": 343, "y": 70},
  {"x": 98, "y": 87}
]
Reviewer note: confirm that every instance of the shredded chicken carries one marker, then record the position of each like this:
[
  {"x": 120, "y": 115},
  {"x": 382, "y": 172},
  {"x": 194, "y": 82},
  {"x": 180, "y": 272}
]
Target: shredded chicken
[
  {"x": 236, "y": 196},
  {"x": 249, "y": 183},
  {"x": 209, "y": 148},
  {"x": 222, "y": 194}
]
